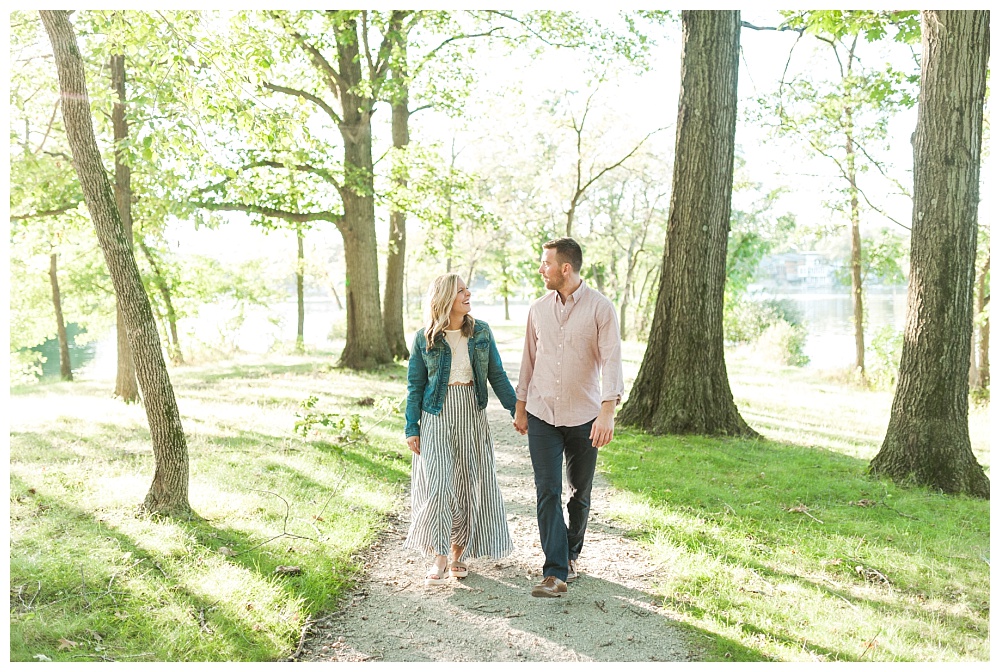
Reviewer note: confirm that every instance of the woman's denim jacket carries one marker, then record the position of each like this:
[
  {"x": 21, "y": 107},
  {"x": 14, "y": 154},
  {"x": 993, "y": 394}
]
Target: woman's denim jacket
[{"x": 427, "y": 377}]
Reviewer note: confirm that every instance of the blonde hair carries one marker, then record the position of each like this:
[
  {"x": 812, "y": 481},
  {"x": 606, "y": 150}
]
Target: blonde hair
[{"x": 440, "y": 297}]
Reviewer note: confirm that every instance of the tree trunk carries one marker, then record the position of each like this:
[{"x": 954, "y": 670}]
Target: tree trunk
[
  {"x": 927, "y": 441},
  {"x": 173, "y": 344},
  {"x": 630, "y": 261},
  {"x": 392, "y": 315},
  {"x": 336, "y": 296},
  {"x": 683, "y": 386},
  {"x": 856, "y": 288},
  {"x": 366, "y": 346},
  {"x": 126, "y": 386},
  {"x": 300, "y": 260},
  {"x": 65, "y": 366},
  {"x": 168, "y": 493},
  {"x": 650, "y": 279}
]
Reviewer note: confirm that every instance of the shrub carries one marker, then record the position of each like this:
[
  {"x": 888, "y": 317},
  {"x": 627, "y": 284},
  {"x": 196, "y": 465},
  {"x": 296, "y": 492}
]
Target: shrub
[
  {"x": 745, "y": 320},
  {"x": 882, "y": 358},
  {"x": 784, "y": 343}
]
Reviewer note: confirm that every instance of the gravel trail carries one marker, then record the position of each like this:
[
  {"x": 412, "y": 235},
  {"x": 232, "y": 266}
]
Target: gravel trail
[{"x": 607, "y": 615}]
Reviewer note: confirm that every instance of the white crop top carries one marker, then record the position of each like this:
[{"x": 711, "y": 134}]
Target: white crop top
[{"x": 461, "y": 366}]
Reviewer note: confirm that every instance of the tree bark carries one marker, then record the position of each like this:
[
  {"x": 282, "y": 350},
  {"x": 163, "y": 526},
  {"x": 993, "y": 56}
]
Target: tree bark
[
  {"x": 856, "y": 287},
  {"x": 392, "y": 312},
  {"x": 366, "y": 346},
  {"x": 927, "y": 441},
  {"x": 126, "y": 386},
  {"x": 683, "y": 386},
  {"x": 982, "y": 301},
  {"x": 65, "y": 366},
  {"x": 168, "y": 493},
  {"x": 300, "y": 291}
]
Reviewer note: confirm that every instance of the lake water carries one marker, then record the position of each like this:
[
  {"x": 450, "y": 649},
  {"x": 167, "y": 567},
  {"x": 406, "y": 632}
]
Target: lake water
[
  {"x": 827, "y": 318},
  {"x": 829, "y": 321}
]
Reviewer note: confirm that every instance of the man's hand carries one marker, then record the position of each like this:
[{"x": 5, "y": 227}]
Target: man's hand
[
  {"x": 521, "y": 418},
  {"x": 414, "y": 443},
  {"x": 603, "y": 429}
]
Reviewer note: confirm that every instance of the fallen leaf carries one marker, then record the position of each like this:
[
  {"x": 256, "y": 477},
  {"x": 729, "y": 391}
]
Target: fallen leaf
[
  {"x": 289, "y": 570},
  {"x": 66, "y": 644},
  {"x": 42, "y": 657},
  {"x": 225, "y": 550}
]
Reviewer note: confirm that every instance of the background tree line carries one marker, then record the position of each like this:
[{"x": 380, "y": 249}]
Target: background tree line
[{"x": 308, "y": 119}]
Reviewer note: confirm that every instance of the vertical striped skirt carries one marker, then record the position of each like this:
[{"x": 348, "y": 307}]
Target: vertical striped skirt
[{"x": 454, "y": 495}]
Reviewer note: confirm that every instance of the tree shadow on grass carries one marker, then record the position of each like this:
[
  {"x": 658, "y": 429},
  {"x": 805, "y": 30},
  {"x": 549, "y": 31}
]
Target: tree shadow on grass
[{"x": 93, "y": 587}]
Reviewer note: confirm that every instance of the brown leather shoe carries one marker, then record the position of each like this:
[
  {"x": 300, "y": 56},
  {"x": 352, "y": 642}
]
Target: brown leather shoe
[{"x": 550, "y": 586}]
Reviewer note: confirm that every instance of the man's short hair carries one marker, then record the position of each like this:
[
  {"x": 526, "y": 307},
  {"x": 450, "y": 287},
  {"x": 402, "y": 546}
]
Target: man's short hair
[{"x": 567, "y": 252}]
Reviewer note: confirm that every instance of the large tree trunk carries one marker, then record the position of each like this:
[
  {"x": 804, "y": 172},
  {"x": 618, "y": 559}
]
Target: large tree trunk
[
  {"x": 300, "y": 291},
  {"x": 366, "y": 346},
  {"x": 168, "y": 492},
  {"x": 683, "y": 386},
  {"x": 126, "y": 386},
  {"x": 927, "y": 441},
  {"x": 392, "y": 315},
  {"x": 65, "y": 366}
]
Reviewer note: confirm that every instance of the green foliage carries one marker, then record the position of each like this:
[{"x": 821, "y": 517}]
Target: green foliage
[
  {"x": 745, "y": 319},
  {"x": 347, "y": 427},
  {"x": 874, "y": 25},
  {"x": 884, "y": 255},
  {"x": 86, "y": 294},
  {"x": 882, "y": 358},
  {"x": 783, "y": 343},
  {"x": 754, "y": 231}
]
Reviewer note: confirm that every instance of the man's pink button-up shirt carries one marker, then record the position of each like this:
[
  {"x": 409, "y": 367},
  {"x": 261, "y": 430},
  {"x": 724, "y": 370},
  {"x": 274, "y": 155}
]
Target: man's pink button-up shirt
[{"x": 572, "y": 358}]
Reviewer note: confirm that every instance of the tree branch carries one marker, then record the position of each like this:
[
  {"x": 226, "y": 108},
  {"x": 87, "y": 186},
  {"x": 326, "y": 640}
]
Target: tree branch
[
  {"x": 532, "y": 31},
  {"x": 335, "y": 82},
  {"x": 296, "y": 217},
  {"x": 322, "y": 173},
  {"x": 430, "y": 55},
  {"x": 745, "y": 24},
  {"x": 624, "y": 158},
  {"x": 899, "y": 185},
  {"x": 880, "y": 210},
  {"x": 307, "y": 96},
  {"x": 45, "y": 213},
  {"x": 52, "y": 121}
]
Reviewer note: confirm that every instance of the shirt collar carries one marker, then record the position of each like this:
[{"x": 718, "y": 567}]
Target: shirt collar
[{"x": 576, "y": 295}]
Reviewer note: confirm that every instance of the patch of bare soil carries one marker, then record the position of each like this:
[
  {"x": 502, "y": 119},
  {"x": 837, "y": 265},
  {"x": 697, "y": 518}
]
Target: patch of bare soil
[{"x": 607, "y": 615}]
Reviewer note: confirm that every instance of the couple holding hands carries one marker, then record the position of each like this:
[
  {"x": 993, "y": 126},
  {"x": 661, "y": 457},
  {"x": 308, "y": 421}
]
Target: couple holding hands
[{"x": 569, "y": 384}]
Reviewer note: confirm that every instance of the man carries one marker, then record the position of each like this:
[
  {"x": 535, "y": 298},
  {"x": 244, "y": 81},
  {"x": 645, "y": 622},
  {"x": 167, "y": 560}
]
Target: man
[{"x": 569, "y": 385}]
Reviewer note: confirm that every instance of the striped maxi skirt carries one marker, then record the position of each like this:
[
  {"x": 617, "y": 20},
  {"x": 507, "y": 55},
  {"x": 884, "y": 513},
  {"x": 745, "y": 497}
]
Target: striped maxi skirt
[{"x": 454, "y": 494}]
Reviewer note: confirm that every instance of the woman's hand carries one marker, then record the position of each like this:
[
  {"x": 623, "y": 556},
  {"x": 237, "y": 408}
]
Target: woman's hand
[{"x": 414, "y": 443}]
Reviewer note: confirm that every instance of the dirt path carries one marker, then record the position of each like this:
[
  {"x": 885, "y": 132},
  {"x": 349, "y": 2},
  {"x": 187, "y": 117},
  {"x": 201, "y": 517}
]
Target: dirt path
[{"x": 607, "y": 615}]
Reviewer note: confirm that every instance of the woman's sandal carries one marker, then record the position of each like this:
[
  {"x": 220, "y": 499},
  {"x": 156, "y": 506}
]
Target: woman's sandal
[
  {"x": 458, "y": 570},
  {"x": 435, "y": 574}
]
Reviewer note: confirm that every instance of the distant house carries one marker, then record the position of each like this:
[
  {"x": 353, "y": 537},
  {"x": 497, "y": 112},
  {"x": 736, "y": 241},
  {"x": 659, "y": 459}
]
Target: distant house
[{"x": 796, "y": 269}]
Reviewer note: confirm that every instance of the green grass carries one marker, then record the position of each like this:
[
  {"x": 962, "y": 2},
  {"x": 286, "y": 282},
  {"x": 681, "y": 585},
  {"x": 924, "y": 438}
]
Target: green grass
[
  {"x": 759, "y": 541},
  {"x": 91, "y": 578}
]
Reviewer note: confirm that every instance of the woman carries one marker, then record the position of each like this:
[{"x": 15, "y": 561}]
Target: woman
[{"x": 457, "y": 508}]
